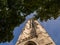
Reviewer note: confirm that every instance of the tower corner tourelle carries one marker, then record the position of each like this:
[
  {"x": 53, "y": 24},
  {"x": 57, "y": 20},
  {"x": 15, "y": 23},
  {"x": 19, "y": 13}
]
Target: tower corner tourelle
[{"x": 34, "y": 34}]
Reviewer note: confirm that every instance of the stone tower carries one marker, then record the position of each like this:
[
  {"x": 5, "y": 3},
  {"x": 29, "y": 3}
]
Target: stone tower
[{"x": 34, "y": 34}]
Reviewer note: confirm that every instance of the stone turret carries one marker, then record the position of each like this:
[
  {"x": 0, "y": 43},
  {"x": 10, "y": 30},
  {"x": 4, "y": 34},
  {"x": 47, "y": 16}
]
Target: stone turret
[{"x": 34, "y": 34}]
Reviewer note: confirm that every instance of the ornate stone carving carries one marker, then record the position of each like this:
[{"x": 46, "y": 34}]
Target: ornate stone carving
[{"x": 33, "y": 31}]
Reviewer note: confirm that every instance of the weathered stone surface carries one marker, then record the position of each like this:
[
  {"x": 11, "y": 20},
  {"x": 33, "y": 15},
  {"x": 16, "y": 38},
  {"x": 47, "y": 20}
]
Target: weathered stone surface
[{"x": 34, "y": 32}]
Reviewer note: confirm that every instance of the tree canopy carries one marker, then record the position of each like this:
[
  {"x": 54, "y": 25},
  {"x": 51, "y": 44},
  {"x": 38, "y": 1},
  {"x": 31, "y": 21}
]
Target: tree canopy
[{"x": 11, "y": 10}]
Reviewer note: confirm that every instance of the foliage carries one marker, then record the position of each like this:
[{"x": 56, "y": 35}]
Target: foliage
[
  {"x": 9, "y": 18},
  {"x": 10, "y": 14}
]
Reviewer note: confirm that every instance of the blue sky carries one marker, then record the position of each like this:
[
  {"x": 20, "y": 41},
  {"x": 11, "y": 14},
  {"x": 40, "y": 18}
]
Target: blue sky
[{"x": 52, "y": 27}]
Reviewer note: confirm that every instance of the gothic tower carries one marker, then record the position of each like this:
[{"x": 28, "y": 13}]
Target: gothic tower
[{"x": 34, "y": 34}]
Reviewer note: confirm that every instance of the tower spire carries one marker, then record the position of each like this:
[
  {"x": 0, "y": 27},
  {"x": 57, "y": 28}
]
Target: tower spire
[{"x": 34, "y": 34}]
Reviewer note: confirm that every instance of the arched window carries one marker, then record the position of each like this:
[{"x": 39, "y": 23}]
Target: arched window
[{"x": 30, "y": 43}]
